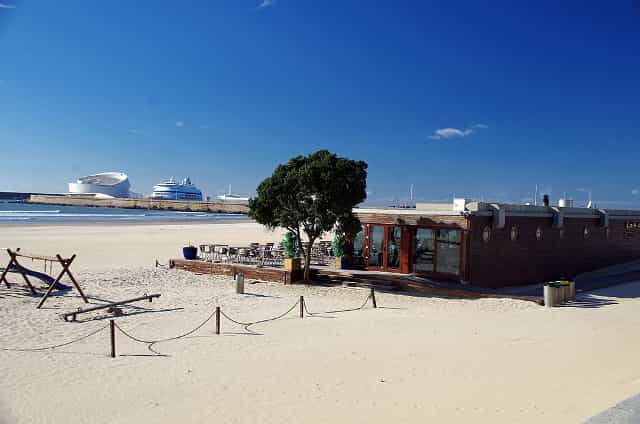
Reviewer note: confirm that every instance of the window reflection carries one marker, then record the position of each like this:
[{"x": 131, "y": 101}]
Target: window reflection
[
  {"x": 376, "y": 241},
  {"x": 423, "y": 250},
  {"x": 448, "y": 257},
  {"x": 393, "y": 248}
]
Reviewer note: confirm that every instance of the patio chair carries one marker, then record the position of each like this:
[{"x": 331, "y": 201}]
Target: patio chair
[
  {"x": 243, "y": 255},
  {"x": 232, "y": 254}
]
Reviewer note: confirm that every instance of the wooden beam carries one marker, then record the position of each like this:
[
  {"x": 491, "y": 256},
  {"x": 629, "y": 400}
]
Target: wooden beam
[{"x": 73, "y": 314}]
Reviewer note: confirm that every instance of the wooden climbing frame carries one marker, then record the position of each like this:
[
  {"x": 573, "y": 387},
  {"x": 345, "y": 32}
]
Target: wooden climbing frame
[{"x": 64, "y": 262}]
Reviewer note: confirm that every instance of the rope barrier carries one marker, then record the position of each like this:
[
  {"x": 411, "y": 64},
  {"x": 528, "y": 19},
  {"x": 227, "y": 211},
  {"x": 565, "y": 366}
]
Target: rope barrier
[
  {"x": 160, "y": 265},
  {"x": 338, "y": 310},
  {"x": 246, "y": 325},
  {"x": 150, "y": 343},
  {"x": 301, "y": 302},
  {"x": 58, "y": 345}
]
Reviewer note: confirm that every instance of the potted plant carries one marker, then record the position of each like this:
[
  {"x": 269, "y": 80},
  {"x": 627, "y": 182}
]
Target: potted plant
[
  {"x": 291, "y": 263},
  {"x": 190, "y": 252},
  {"x": 342, "y": 261}
]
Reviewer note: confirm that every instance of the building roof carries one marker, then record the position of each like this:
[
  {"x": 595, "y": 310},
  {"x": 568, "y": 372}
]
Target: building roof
[
  {"x": 104, "y": 179},
  {"x": 506, "y": 209}
]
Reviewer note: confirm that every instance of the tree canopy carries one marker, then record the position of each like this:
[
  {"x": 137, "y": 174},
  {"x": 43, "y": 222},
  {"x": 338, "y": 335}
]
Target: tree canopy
[{"x": 311, "y": 194}]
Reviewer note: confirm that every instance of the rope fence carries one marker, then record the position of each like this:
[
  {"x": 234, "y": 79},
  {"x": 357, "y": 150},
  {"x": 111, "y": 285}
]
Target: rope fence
[
  {"x": 218, "y": 314},
  {"x": 38, "y": 349}
]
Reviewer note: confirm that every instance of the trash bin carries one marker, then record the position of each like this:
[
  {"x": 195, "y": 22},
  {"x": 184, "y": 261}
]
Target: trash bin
[{"x": 552, "y": 294}]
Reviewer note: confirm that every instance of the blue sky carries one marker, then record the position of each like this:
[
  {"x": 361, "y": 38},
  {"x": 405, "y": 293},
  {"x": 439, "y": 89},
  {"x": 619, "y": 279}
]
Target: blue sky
[{"x": 472, "y": 98}]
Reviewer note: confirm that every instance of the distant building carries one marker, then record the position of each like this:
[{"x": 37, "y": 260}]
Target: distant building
[
  {"x": 496, "y": 245},
  {"x": 106, "y": 184}
]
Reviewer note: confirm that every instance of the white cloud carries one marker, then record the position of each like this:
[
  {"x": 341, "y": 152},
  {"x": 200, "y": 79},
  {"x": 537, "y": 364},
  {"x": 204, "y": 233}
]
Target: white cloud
[
  {"x": 445, "y": 133},
  {"x": 179, "y": 123},
  {"x": 7, "y": 6},
  {"x": 635, "y": 191},
  {"x": 266, "y": 3}
]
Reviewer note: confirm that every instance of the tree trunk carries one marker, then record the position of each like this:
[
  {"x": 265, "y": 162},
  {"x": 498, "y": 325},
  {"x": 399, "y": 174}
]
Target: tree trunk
[{"x": 307, "y": 261}]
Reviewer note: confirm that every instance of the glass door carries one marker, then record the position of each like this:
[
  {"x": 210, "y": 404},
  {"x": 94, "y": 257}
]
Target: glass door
[
  {"x": 376, "y": 246},
  {"x": 394, "y": 238}
]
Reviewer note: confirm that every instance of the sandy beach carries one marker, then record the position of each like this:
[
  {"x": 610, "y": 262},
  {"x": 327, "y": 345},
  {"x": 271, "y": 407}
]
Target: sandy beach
[{"x": 413, "y": 359}]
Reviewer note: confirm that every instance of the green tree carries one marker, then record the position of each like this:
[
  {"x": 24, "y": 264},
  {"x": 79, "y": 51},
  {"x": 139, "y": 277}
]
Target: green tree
[{"x": 310, "y": 195}]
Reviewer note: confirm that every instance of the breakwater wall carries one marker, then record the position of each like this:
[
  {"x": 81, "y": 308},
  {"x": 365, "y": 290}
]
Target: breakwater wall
[
  {"x": 168, "y": 205},
  {"x": 13, "y": 195}
]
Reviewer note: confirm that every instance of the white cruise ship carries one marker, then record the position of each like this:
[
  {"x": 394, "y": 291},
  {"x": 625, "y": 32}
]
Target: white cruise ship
[
  {"x": 172, "y": 190},
  {"x": 233, "y": 198}
]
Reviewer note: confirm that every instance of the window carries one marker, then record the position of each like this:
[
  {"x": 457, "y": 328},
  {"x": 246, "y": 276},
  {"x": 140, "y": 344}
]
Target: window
[
  {"x": 514, "y": 233},
  {"x": 486, "y": 234},
  {"x": 448, "y": 252},
  {"x": 423, "y": 250},
  {"x": 539, "y": 233},
  {"x": 358, "y": 244}
]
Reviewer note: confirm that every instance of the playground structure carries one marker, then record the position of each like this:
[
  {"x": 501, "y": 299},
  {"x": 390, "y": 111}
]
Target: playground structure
[
  {"x": 53, "y": 283},
  {"x": 73, "y": 314}
]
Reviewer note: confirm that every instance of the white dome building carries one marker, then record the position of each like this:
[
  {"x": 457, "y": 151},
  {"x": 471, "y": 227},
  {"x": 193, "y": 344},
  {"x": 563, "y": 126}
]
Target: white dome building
[{"x": 105, "y": 184}]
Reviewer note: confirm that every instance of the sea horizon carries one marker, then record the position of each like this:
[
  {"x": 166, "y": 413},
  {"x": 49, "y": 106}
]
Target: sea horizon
[{"x": 18, "y": 213}]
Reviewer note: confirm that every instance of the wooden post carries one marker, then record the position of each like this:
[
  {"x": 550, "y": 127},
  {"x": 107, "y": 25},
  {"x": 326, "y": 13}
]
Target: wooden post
[
  {"x": 240, "y": 283},
  {"x": 112, "y": 327},
  {"x": 373, "y": 297},
  {"x": 301, "y": 306},
  {"x": 217, "y": 320}
]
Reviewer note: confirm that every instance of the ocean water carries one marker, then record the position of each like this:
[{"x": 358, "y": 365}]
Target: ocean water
[{"x": 25, "y": 213}]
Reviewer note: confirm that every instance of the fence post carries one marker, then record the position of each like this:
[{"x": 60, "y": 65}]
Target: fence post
[
  {"x": 240, "y": 283},
  {"x": 217, "y": 320},
  {"x": 112, "y": 327},
  {"x": 373, "y": 297},
  {"x": 301, "y": 306}
]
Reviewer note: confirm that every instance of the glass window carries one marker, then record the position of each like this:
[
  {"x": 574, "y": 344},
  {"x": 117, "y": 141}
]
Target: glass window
[
  {"x": 539, "y": 233},
  {"x": 486, "y": 234},
  {"x": 448, "y": 253},
  {"x": 358, "y": 244},
  {"x": 393, "y": 248},
  {"x": 376, "y": 241},
  {"x": 423, "y": 250},
  {"x": 514, "y": 233}
]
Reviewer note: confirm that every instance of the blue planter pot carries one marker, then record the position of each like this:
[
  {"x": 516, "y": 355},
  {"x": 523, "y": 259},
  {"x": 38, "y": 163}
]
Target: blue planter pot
[
  {"x": 190, "y": 252},
  {"x": 344, "y": 262}
]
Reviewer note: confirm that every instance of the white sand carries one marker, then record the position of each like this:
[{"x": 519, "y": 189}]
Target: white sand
[
  {"x": 418, "y": 360},
  {"x": 125, "y": 245}
]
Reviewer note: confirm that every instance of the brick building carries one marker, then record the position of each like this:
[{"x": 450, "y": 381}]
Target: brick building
[{"x": 496, "y": 245}]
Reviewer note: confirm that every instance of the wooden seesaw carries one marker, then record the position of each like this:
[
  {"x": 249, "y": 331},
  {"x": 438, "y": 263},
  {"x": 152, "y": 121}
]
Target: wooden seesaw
[
  {"x": 14, "y": 266},
  {"x": 73, "y": 314}
]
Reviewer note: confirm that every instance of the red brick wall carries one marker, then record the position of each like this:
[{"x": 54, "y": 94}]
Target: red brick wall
[{"x": 502, "y": 262}]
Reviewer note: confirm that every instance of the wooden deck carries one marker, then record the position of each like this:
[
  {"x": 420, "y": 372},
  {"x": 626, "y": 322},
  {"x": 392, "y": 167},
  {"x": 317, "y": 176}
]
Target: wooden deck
[
  {"x": 409, "y": 283},
  {"x": 276, "y": 275},
  {"x": 384, "y": 281}
]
